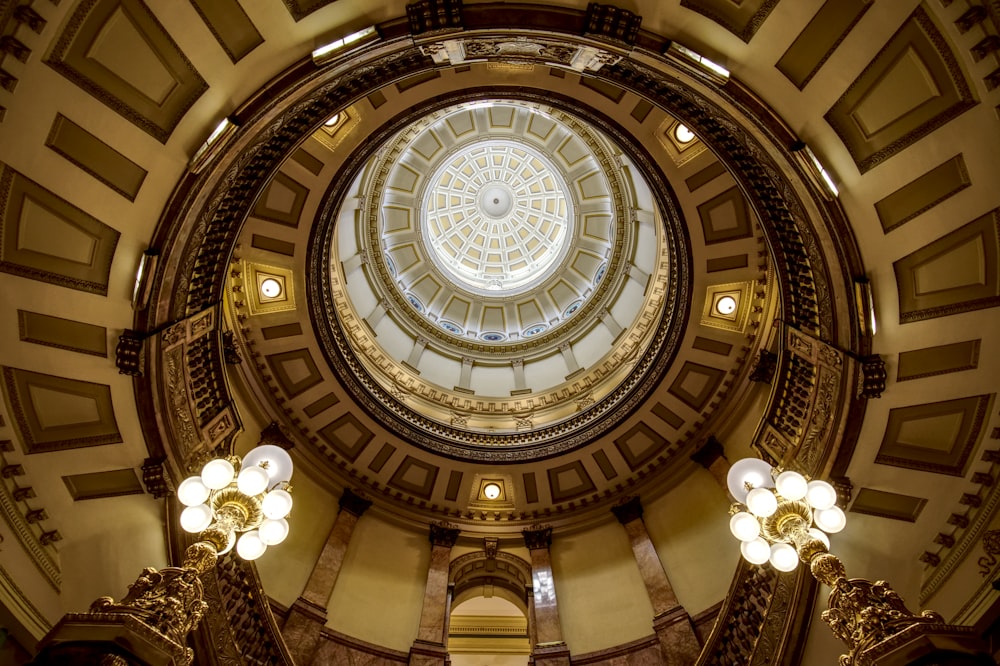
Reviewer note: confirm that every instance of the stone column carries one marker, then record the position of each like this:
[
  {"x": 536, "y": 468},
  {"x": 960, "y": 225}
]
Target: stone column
[
  {"x": 549, "y": 649},
  {"x": 307, "y": 615},
  {"x": 429, "y": 647},
  {"x": 678, "y": 641}
]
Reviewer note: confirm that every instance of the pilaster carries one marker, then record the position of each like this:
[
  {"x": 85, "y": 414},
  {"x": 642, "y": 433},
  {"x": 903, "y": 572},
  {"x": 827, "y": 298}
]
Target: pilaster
[
  {"x": 678, "y": 641},
  {"x": 548, "y": 647},
  {"x": 307, "y": 614},
  {"x": 429, "y": 647}
]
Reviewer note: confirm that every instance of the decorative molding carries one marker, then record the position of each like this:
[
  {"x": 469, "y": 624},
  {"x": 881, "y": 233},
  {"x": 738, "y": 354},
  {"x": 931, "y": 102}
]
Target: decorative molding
[
  {"x": 32, "y": 545},
  {"x": 443, "y": 534},
  {"x": 72, "y": 58},
  {"x": 20, "y": 606}
]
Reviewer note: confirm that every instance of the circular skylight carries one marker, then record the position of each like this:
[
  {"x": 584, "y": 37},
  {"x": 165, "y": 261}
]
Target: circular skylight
[{"x": 497, "y": 217}]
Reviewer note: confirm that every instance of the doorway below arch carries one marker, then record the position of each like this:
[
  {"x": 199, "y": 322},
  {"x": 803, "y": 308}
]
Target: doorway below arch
[{"x": 488, "y": 631}]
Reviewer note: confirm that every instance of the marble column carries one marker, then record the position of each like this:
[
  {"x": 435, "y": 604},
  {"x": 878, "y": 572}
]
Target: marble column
[
  {"x": 678, "y": 640},
  {"x": 429, "y": 647},
  {"x": 548, "y": 648},
  {"x": 307, "y": 615}
]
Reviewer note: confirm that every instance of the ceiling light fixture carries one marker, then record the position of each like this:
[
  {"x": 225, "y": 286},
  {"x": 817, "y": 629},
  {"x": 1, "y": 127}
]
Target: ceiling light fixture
[
  {"x": 492, "y": 491},
  {"x": 783, "y": 518},
  {"x": 683, "y": 134},
  {"x": 726, "y": 305},
  {"x": 270, "y": 288},
  {"x": 326, "y": 52}
]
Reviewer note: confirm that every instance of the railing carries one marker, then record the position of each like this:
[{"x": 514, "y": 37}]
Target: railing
[{"x": 238, "y": 629}]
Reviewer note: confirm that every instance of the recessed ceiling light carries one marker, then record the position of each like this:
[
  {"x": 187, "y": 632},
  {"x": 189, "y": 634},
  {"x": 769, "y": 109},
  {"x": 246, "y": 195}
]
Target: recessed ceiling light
[
  {"x": 683, "y": 134},
  {"x": 725, "y": 305},
  {"x": 334, "y": 119},
  {"x": 270, "y": 288},
  {"x": 491, "y": 491}
]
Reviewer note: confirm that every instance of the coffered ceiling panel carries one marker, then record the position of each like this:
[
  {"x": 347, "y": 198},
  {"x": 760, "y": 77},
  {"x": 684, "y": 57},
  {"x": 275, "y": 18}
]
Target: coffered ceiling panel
[
  {"x": 415, "y": 476},
  {"x": 569, "y": 481},
  {"x": 96, "y": 485},
  {"x": 935, "y": 437},
  {"x": 956, "y": 273},
  {"x": 62, "y": 333},
  {"x": 295, "y": 371},
  {"x": 725, "y": 217},
  {"x": 914, "y": 85},
  {"x": 95, "y": 157},
  {"x": 923, "y": 193},
  {"x": 57, "y": 413},
  {"x": 48, "y": 239},
  {"x": 347, "y": 435},
  {"x": 741, "y": 17},
  {"x": 119, "y": 52},
  {"x": 821, "y": 36},
  {"x": 282, "y": 201},
  {"x": 888, "y": 505},
  {"x": 639, "y": 445},
  {"x": 939, "y": 360},
  {"x": 230, "y": 25}
]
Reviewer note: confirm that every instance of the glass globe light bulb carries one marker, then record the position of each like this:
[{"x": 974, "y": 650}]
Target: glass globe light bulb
[
  {"x": 783, "y": 557},
  {"x": 277, "y": 503},
  {"x": 762, "y": 502},
  {"x": 252, "y": 480},
  {"x": 756, "y": 551},
  {"x": 196, "y": 518},
  {"x": 250, "y": 546},
  {"x": 272, "y": 532},
  {"x": 192, "y": 491},
  {"x": 217, "y": 473},
  {"x": 273, "y": 459},
  {"x": 830, "y": 520},
  {"x": 791, "y": 485},
  {"x": 752, "y": 471},
  {"x": 744, "y": 526},
  {"x": 820, "y": 535},
  {"x": 821, "y": 495}
]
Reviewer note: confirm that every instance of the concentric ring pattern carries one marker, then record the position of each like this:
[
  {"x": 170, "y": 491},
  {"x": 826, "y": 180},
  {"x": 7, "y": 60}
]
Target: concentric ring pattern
[{"x": 497, "y": 216}]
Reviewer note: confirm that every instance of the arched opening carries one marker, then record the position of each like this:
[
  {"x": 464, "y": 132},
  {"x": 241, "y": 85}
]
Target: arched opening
[{"x": 488, "y": 631}]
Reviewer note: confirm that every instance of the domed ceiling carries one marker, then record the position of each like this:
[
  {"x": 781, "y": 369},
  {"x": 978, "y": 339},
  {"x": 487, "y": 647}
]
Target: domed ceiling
[
  {"x": 498, "y": 271},
  {"x": 502, "y": 235}
]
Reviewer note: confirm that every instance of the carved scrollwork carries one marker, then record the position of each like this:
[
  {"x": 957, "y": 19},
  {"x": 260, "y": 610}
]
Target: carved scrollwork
[
  {"x": 863, "y": 613},
  {"x": 168, "y": 600}
]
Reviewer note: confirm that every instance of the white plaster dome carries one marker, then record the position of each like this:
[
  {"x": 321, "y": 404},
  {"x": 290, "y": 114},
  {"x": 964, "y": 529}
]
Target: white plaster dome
[{"x": 497, "y": 216}]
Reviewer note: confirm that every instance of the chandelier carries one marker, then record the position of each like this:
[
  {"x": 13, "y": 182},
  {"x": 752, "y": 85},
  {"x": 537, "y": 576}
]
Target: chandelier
[
  {"x": 780, "y": 517},
  {"x": 249, "y": 498}
]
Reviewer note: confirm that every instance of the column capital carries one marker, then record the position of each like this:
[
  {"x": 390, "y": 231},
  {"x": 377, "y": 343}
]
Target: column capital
[
  {"x": 353, "y": 502},
  {"x": 444, "y": 534},
  {"x": 628, "y": 510},
  {"x": 708, "y": 452},
  {"x": 275, "y": 435},
  {"x": 537, "y": 538}
]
